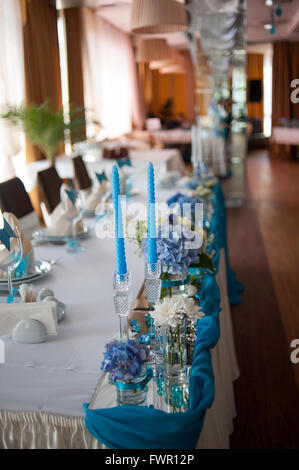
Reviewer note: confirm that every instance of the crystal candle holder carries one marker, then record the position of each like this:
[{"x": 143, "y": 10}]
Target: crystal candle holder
[
  {"x": 122, "y": 301},
  {"x": 152, "y": 294},
  {"x": 153, "y": 282}
]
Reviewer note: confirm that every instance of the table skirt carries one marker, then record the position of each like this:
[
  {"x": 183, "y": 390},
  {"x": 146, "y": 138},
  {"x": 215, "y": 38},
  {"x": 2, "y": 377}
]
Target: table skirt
[{"x": 38, "y": 430}]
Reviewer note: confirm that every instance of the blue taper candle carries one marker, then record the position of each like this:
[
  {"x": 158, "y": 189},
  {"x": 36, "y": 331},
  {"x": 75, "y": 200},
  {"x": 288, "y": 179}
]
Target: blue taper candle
[
  {"x": 121, "y": 265},
  {"x": 151, "y": 215}
]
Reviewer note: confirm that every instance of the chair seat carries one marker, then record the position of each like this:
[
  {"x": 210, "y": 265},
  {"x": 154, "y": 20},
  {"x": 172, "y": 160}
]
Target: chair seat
[
  {"x": 49, "y": 184},
  {"x": 14, "y": 198},
  {"x": 82, "y": 178}
]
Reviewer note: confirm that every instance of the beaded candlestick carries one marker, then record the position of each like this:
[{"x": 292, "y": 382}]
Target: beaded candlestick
[
  {"x": 121, "y": 278},
  {"x": 151, "y": 216}
]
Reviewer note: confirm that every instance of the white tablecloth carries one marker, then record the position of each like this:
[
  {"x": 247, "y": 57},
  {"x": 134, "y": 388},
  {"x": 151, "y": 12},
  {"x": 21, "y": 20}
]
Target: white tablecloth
[
  {"x": 43, "y": 386},
  {"x": 213, "y": 150},
  {"x": 173, "y": 136},
  {"x": 285, "y": 135},
  {"x": 167, "y": 159}
]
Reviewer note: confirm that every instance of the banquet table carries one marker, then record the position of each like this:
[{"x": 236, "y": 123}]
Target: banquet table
[
  {"x": 173, "y": 136},
  {"x": 43, "y": 386},
  {"x": 213, "y": 150},
  {"x": 285, "y": 135},
  {"x": 166, "y": 159}
]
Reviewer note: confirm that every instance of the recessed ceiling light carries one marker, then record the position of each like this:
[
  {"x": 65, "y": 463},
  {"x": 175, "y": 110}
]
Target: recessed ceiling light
[
  {"x": 267, "y": 26},
  {"x": 269, "y": 3}
]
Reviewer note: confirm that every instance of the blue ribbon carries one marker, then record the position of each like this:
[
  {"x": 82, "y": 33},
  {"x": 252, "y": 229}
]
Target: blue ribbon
[
  {"x": 124, "y": 162},
  {"x": 6, "y": 233},
  {"x": 176, "y": 282},
  {"x": 101, "y": 176},
  {"x": 135, "y": 386}
]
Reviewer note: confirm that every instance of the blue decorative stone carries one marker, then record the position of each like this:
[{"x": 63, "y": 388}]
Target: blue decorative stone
[{"x": 135, "y": 325}]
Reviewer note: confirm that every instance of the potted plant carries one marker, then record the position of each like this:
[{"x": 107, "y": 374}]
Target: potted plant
[{"x": 45, "y": 128}]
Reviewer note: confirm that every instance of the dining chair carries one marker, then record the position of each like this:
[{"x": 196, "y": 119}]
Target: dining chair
[
  {"x": 81, "y": 174},
  {"x": 14, "y": 198},
  {"x": 49, "y": 184}
]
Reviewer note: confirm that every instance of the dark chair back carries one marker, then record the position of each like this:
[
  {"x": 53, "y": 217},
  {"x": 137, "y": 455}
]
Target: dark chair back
[
  {"x": 14, "y": 198},
  {"x": 81, "y": 174},
  {"x": 49, "y": 184}
]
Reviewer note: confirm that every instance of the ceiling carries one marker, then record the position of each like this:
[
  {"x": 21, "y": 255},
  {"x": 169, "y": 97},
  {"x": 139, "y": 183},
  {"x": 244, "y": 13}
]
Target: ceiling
[
  {"x": 118, "y": 12},
  {"x": 258, "y": 14}
]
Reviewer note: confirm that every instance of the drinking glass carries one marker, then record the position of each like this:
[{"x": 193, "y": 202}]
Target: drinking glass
[
  {"x": 11, "y": 258},
  {"x": 72, "y": 205}
]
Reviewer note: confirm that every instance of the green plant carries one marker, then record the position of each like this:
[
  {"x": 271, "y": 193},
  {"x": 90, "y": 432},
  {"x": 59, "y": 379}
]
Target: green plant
[
  {"x": 166, "y": 110},
  {"x": 45, "y": 128}
]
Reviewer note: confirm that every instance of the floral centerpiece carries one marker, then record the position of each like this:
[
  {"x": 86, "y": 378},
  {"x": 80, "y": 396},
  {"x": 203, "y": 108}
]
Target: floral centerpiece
[
  {"x": 126, "y": 364},
  {"x": 173, "y": 316},
  {"x": 192, "y": 198},
  {"x": 179, "y": 246}
]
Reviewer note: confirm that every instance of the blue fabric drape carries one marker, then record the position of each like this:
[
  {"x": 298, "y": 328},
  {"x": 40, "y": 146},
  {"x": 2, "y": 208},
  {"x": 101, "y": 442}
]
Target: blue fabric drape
[{"x": 134, "y": 427}]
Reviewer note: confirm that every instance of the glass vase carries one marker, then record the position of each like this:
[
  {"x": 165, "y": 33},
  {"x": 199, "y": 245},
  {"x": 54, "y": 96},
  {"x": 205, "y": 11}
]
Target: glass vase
[
  {"x": 195, "y": 281},
  {"x": 176, "y": 391},
  {"x": 133, "y": 392},
  {"x": 190, "y": 339},
  {"x": 174, "y": 345},
  {"x": 175, "y": 366},
  {"x": 174, "y": 284}
]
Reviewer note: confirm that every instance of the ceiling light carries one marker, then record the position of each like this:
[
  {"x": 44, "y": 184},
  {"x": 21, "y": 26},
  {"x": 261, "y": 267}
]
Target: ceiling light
[
  {"x": 158, "y": 16},
  {"x": 152, "y": 49}
]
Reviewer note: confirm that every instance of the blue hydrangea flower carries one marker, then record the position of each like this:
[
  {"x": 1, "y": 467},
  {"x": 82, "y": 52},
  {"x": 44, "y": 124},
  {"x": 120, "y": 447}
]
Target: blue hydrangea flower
[
  {"x": 181, "y": 199},
  {"x": 171, "y": 247},
  {"x": 124, "y": 361}
]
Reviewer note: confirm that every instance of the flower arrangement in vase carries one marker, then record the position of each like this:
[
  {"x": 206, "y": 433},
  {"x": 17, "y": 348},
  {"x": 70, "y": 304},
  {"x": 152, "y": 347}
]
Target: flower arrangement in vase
[
  {"x": 172, "y": 316},
  {"x": 179, "y": 246},
  {"x": 126, "y": 363}
]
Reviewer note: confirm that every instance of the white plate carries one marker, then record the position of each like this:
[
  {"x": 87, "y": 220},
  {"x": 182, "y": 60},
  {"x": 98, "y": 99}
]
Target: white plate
[
  {"x": 41, "y": 269},
  {"x": 42, "y": 236}
]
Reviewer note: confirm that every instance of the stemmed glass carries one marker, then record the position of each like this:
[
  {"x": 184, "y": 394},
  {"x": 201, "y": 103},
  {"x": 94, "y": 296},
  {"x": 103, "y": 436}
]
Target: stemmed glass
[
  {"x": 11, "y": 258},
  {"x": 72, "y": 205}
]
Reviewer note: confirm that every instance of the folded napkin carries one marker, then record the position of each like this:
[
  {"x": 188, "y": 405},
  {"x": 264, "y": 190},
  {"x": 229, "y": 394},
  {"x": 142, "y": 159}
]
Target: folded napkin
[
  {"x": 12, "y": 314},
  {"x": 85, "y": 193},
  {"x": 26, "y": 265},
  {"x": 58, "y": 225},
  {"x": 95, "y": 198}
]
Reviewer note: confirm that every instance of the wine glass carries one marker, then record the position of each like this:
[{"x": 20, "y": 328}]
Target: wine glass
[
  {"x": 10, "y": 257},
  {"x": 72, "y": 205}
]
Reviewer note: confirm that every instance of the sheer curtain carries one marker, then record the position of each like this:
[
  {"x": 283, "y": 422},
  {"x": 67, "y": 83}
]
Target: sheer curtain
[
  {"x": 12, "y": 87},
  {"x": 111, "y": 86}
]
